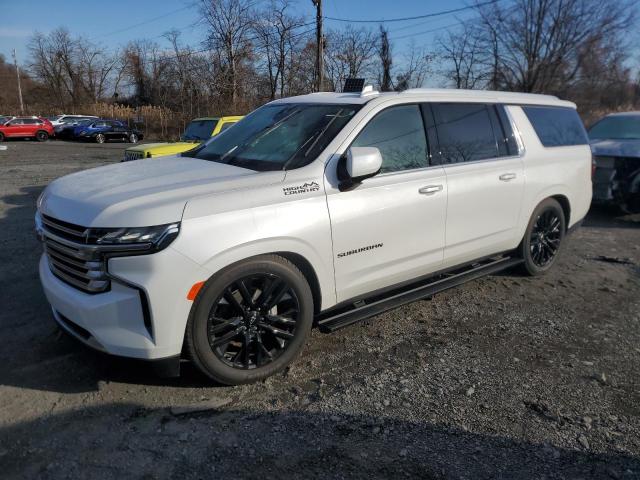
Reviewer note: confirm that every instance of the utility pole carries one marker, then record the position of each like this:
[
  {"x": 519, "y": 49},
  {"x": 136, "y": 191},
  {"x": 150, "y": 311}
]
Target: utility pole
[
  {"x": 319, "y": 45},
  {"x": 15, "y": 61}
]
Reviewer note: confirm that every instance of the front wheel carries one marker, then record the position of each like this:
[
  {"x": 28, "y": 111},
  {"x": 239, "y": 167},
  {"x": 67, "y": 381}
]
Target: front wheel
[
  {"x": 100, "y": 138},
  {"x": 133, "y": 138},
  {"x": 42, "y": 136},
  {"x": 250, "y": 321},
  {"x": 1, "y": 137},
  {"x": 543, "y": 238}
]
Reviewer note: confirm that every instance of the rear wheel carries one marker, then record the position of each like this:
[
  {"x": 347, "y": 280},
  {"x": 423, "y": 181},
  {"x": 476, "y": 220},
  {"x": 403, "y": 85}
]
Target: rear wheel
[
  {"x": 1, "y": 137},
  {"x": 543, "y": 238},
  {"x": 100, "y": 138},
  {"x": 250, "y": 321},
  {"x": 42, "y": 136},
  {"x": 133, "y": 138}
]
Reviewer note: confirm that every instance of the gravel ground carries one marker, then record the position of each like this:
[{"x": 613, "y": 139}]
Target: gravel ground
[{"x": 504, "y": 377}]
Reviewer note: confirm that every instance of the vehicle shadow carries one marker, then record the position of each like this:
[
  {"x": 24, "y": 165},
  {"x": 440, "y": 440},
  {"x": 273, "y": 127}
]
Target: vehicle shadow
[
  {"x": 601, "y": 216},
  {"x": 133, "y": 441},
  {"x": 36, "y": 354}
]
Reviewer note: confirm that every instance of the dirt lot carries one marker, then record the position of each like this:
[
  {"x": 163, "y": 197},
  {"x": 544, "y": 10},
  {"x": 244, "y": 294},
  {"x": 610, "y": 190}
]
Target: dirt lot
[{"x": 505, "y": 377}]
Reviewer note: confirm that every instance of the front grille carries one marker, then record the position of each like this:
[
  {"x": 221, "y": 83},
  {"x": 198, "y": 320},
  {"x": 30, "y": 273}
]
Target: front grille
[
  {"x": 132, "y": 155},
  {"x": 72, "y": 261}
]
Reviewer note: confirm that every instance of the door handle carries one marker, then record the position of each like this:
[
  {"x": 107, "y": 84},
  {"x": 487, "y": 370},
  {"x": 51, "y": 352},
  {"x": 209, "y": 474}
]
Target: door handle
[
  {"x": 505, "y": 177},
  {"x": 430, "y": 189}
]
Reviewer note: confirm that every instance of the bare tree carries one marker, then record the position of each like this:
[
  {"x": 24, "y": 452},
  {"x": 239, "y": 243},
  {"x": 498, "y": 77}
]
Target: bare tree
[
  {"x": 349, "y": 54},
  {"x": 541, "y": 45},
  {"x": 278, "y": 44},
  {"x": 465, "y": 56},
  {"x": 416, "y": 65},
  {"x": 229, "y": 24}
]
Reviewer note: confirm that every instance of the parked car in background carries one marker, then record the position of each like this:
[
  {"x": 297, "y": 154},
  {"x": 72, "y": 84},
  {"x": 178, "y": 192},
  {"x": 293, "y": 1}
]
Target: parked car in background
[
  {"x": 320, "y": 209},
  {"x": 65, "y": 129},
  {"x": 60, "y": 119},
  {"x": 101, "y": 131},
  {"x": 198, "y": 130},
  {"x": 27, "y": 127},
  {"x": 615, "y": 143}
]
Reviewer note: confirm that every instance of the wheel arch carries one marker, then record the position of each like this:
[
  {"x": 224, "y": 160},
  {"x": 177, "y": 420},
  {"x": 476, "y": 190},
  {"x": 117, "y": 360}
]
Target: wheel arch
[
  {"x": 565, "y": 204},
  {"x": 303, "y": 256},
  {"x": 309, "y": 273}
]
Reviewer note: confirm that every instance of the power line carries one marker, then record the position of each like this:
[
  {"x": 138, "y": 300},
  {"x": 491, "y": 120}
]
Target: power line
[
  {"x": 151, "y": 20},
  {"x": 404, "y": 19}
]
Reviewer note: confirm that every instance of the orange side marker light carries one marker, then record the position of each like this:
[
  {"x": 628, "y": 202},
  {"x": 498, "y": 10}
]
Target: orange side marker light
[{"x": 193, "y": 292}]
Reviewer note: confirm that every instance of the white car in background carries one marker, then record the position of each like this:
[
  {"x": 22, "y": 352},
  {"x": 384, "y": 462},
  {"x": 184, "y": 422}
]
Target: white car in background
[
  {"x": 58, "y": 120},
  {"x": 320, "y": 209}
]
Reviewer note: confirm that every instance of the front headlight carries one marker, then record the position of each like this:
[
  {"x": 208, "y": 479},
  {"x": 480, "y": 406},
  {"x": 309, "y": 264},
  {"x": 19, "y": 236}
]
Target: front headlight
[{"x": 156, "y": 237}]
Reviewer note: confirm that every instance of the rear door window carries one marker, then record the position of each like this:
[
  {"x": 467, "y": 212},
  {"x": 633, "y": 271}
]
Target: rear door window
[
  {"x": 465, "y": 133},
  {"x": 557, "y": 126}
]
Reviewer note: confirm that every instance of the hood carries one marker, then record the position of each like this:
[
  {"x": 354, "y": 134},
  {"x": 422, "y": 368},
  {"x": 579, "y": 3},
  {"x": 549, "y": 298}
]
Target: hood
[
  {"x": 616, "y": 148},
  {"x": 144, "y": 192}
]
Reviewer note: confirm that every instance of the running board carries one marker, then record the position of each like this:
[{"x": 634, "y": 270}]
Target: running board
[{"x": 363, "y": 309}]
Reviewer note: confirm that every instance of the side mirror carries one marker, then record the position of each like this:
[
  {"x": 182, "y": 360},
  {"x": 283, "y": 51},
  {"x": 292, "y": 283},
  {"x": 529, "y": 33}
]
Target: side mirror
[{"x": 358, "y": 164}]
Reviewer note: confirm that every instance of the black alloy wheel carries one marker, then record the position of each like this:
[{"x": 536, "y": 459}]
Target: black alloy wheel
[
  {"x": 543, "y": 238},
  {"x": 250, "y": 320},
  {"x": 253, "y": 321},
  {"x": 42, "y": 136}
]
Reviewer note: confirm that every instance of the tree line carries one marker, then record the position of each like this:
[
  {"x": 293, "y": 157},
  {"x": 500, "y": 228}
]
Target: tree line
[{"x": 576, "y": 49}]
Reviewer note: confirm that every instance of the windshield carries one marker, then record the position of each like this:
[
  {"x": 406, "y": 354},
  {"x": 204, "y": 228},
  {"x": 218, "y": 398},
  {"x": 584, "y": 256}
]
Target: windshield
[
  {"x": 617, "y": 128},
  {"x": 199, "y": 129},
  {"x": 277, "y": 137}
]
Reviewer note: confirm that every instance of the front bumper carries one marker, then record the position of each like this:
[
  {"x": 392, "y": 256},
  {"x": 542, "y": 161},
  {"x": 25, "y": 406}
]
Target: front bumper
[{"x": 144, "y": 313}]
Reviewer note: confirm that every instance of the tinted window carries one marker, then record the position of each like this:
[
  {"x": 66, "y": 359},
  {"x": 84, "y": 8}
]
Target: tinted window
[
  {"x": 225, "y": 126},
  {"x": 557, "y": 126},
  {"x": 199, "y": 129},
  {"x": 465, "y": 133},
  {"x": 398, "y": 133},
  {"x": 16, "y": 122},
  {"x": 619, "y": 127}
]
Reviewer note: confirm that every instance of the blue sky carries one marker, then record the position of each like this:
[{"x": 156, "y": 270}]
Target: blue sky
[{"x": 115, "y": 22}]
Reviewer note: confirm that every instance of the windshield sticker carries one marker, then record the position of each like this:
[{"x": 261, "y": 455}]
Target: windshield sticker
[{"x": 304, "y": 188}]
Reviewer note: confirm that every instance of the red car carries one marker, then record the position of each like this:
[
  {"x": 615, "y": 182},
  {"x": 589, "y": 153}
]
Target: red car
[{"x": 27, "y": 127}]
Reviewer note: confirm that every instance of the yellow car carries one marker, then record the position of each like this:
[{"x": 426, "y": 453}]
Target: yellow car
[{"x": 198, "y": 130}]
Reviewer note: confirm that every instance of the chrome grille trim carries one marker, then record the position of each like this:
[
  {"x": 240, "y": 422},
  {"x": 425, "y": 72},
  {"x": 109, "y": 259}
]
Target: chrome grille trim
[{"x": 74, "y": 262}]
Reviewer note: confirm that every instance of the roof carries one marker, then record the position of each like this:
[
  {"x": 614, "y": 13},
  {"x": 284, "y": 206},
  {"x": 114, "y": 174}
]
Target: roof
[{"x": 431, "y": 94}]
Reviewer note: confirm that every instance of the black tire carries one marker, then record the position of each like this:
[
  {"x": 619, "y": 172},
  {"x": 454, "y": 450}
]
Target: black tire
[
  {"x": 42, "y": 136},
  {"x": 132, "y": 138},
  {"x": 1, "y": 137},
  {"x": 255, "y": 347},
  {"x": 101, "y": 138},
  {"x": 543, "y": 239},
  {"x": 632, "y": 204}
]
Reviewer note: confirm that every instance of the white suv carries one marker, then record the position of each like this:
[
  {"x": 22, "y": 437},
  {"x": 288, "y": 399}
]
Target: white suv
[{"x": 320, "y": 209}]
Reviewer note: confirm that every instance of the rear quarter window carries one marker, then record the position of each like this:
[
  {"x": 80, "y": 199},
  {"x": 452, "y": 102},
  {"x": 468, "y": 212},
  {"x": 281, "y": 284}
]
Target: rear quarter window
[{"x": 557, "y": 126}]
